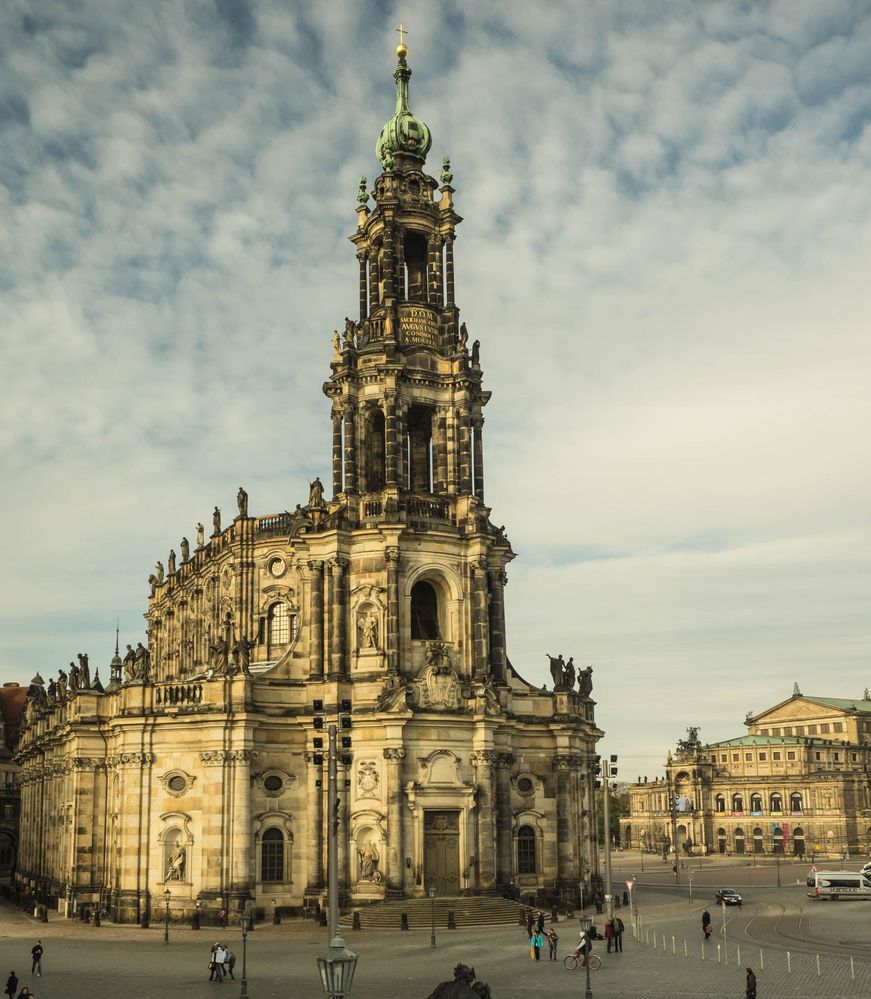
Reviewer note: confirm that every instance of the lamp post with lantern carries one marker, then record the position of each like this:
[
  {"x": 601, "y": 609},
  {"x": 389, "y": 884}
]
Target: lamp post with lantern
[
  {"x": 166, "y": 896},
  {"x": 246, "y": 926},
  {"x": 432, "y": 895},
  {"x": 586, "y": 926}
]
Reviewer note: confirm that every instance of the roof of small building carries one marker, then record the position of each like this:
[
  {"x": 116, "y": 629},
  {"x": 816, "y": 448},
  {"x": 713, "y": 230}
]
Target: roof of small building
[
  {"x": 844, "y": 703},
  {"x": 764, "y": 740}
]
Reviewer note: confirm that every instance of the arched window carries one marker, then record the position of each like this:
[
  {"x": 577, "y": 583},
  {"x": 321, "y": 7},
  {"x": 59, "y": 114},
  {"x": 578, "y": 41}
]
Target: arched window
[
  {"x": 281, "y": 626},
  {"x": 721, "y": 840},
  {"x": 526, "y": 850},
  {"x": 757, "y": 840},
  {"x": 776, "y": 803},
  {"x": 374, "y": 453},
  {"x": 795, "y": 803},
  {"x": 739, "y": 840},
  {"x": 756, "y": 803},
  {"x": 272, "y": 856},
  {"x": 424, "y": 611},
  {"x": 720, "y": 803},
  {"x": 777, "y": 839},
  {"x": 419, "y": 449},
  {"x": 737, "y": 803},
  {"x": 415, "y": 267}
]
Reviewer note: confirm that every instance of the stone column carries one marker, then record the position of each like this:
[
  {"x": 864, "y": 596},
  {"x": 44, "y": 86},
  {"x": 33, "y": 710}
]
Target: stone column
[
  {"x": 401, "y": 450},
  {"x": 567, "y": 875},
  {"x": 483, "y": 761},
  {"x": 315, "y": 826},
  {"x": 395, "y": 798},
  {"x": 361, "y": 259},
  {"x": 391, "y": 639},
  {"x": 240, "y": 842},
  {"x": 391, "y": 441},
  {"x": 374, "y": 279},
  {"x": 498, "y": 658},
  {"x": 478, "y": 425},
  {"x": 465, "y": 453},
  {"x": 449, "y": 270},
  {"x": 451, "y": 450},
  {"x": 479, "y": 617},
  {"x": 316, "y": 619},
  {"x": 440, "y": 450},
  {"x": 344, "y": 775},
  {"x": 388, "y": 262},
  {"x": 338, "y": 601},
  {"x": 504, "y": 821},
  {"x": 399, "y": 256},
  {"x": 337, "y": 450},
  {"x": 350, "y": 448}
]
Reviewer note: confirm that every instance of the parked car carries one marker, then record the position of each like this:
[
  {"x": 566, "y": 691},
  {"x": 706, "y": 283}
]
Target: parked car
[{"x": 728, "y": 896}]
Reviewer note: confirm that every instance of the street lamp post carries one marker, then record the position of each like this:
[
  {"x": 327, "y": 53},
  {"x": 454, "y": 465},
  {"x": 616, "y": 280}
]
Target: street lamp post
[
  {"x": 246, "y": 926},
  {"x": 586, "y": 926},
  {"x": 166, "y": 895},
  {"x": 609, "y": 771},
  {"x": 432, "y": 895},
  {"x": 338, "y": 965}
]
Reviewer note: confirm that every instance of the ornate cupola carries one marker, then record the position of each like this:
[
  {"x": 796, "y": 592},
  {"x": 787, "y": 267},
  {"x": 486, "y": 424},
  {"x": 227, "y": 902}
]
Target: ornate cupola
[{"x": 406, "y": 383}]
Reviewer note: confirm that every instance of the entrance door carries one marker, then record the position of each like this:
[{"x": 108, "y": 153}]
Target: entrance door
[{"x": 442, "y": 852}]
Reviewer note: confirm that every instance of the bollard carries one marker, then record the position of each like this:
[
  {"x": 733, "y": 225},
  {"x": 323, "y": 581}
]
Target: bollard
[
  {"x": 673, "y": 947},
  {"x": 96, "y": 917},
  {"x": 852, "y": 971},
  {"x": 43, "y": 916},
  {"x": 818, "y": 965},
  {"x": 788, "y": 963},
  {"x": 654, "y": 940},
  {"x": 685, "y": 951},
  {"x": 718, "y": 953},
  {"x": 404, "y": 923},
  {"x": 761, "y": 960},
  {"x": 452, "y": 922},
  {"x": 554, "y": 917},
  {"x": 626, "y": 898},
  {"x": 703, "y": 949},
  {"x": 663, "y": 941},
  {"x": 355, "y": 921},
  {"x": 737, "y": 947}
]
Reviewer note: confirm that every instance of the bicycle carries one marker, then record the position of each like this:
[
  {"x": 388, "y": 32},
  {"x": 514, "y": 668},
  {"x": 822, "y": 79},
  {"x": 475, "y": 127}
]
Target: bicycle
[{"x": 576, "y": 960}]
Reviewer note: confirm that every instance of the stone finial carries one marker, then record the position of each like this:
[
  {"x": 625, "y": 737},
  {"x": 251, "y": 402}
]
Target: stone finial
[
  {"x": 795, "y": 691},
  {"x": 446, "y": 175},
  {"x": 362, "y": 194}
]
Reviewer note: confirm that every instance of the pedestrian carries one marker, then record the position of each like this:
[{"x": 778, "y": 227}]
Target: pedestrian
[
  {"x": 222, "y": 919},
  {"x": 25, "y": 993},
  {"x": 231, "y": 963},
  {"x": 216, "y": 964},
  {"x": 619, "y": 927},
  {"x": 751, "y": 984},
  {"x": 706, "y": 924},
  {"x": 36, "y": 954},
  {"x": 552, "y": 940},
  {"x": 609, "y": 934},
  {"x": 529, "y": 922},
  {"x": 11, "y": 985},
  {"x": 536, "y": 942},
  {"x": 540, "y": 926}
]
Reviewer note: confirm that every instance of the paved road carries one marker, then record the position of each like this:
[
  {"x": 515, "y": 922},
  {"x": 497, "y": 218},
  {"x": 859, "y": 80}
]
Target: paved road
[{"x": 83, "y": 962}]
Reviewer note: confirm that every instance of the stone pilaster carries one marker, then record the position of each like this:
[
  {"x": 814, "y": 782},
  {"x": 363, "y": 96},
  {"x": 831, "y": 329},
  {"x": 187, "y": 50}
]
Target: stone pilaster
[
  {"x": 440, "y": 450},
  {"x": 566, "y": 820},
  {"x": 480, "y": 624},
  {"x": 241, "y": 879},
  {"x": 337, "y": 450},
  {"x": 374, "y": 279},
  {"x": 350, "y": 448},
  {"x": 483, "y": 761},
  {"x": 504, "y": 821},
  {"x": 338, "y": 609},
  {"x": 315, "y": 826},
  {"x": 449, "y": 270},
  {"x": 464, "y": 452},
  {"x": 361, "y": 260},
  {"x": 498, "y": 658},
  {"x": 477, "y": 428},
  {"x": 391, "y": 441},
  {"x": 391, "y": 642},
  {"x": 316, "y": 619},
  {"x": 395, "y": 795}
]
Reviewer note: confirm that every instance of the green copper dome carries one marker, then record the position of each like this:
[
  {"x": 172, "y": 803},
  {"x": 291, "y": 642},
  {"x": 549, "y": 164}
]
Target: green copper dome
[{"x": 405, "y": 140}]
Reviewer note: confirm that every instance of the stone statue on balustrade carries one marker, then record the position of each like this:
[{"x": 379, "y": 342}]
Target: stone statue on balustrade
[
  {"x": 84, "y": 671},
  {"x": 160, "y": 573},
  {"x": 585, "y": 682},
  {"x": 242, "y": 654},
  {"x": 74, "y": 678},
  {"x": 140, "y": 662},
  {"x": 129, "y": 660},
  {"x": 61, "y": 685},
  {"x": 170, "y": 562},
  {"x": 570, "y": 674},
  {"x": 185, "y": 547},
  {"x": 463, "y": 986},
  {"x": 216, "y": 521},
  {"x": 557, "y": 670},
  {"x": 201, "y": 535},
  {"x": 220, "y": 653},
  {"x": 242, "y": 502},
  {"x": 316, "y": 493}
]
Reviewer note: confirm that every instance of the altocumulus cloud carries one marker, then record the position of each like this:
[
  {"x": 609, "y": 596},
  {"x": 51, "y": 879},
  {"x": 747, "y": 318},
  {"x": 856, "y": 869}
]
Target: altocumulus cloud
[{"x": 665, "y": 259}]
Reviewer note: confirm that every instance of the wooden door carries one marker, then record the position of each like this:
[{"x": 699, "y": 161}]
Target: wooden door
[{"x": 442, "y": 852}]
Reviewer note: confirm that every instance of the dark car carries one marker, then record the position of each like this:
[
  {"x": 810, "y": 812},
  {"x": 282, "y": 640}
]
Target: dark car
[{"x": 728, "y": 896}]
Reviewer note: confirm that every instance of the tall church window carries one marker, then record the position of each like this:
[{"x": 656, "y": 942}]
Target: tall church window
[
  {"x": 526, "y": 850},
  {"x": 272, "y": 855},
  {"x": 279, "y": 625},
  {"x": 419, "y": 445},
  {"x": 424, "y": 611},
  {"x": 415, "y": 267}
]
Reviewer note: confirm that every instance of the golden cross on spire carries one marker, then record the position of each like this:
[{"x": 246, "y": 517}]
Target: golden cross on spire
[{"x": 402, "y": 31}]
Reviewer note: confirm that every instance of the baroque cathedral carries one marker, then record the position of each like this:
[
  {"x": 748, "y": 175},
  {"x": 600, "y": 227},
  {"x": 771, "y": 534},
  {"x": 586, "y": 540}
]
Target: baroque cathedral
[{"x": 200, "y": 768}]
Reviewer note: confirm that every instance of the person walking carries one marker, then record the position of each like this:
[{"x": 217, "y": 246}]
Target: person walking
[
  {"x": 540, "y": 926},
  {"x": 529, "y": 923},
  {"x": 11, "y": 985},
  {"x": 36, "y": 953},
  {"x": 25, "y": 993},
  {"x": 706, "y": 924},
  {"x": 552, "y": 940},
  {"x": 536, "y": 942},
  {"x": 216, "y": 965},
  {"x": 751, "y": 984},
  {"x": 619, "y": 927},
  {"x": 231, "y": 963},
  {"x": 609, "y": 934}
]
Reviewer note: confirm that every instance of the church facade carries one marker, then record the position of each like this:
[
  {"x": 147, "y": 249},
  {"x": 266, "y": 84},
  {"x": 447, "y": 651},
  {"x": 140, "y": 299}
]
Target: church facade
[{"x": 200, "y": 767}]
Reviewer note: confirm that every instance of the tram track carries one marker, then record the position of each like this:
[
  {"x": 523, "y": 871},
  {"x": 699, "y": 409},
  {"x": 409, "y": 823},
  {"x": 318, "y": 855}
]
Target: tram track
[{"x": 790, "y": 930}]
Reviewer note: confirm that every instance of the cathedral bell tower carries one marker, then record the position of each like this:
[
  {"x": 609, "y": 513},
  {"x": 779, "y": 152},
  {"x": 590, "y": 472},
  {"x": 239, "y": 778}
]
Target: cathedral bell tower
[{"x": 407, "y": 445}]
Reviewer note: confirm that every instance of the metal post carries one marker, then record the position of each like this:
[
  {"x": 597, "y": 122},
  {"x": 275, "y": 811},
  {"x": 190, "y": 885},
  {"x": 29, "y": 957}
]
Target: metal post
[
  {"x": 606, "y": 814},
  {"x": 166, "y": 923},
  {"x": 245, "y": 922},
  {"x": 725, "y": 944},
  {"x": 333, "y": 837},
  {"x": 671, "y": 812},
  {"x": 432, "y": 895}
]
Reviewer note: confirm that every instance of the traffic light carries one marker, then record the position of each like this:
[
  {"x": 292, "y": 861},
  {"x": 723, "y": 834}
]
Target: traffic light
[{"x": 597, "y": 771}]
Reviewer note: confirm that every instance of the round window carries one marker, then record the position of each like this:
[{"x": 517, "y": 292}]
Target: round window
[
  {"x": 273, "y": 783},
  {"x": 177, "y": 783},
  {"x": 524, "y": 785}
]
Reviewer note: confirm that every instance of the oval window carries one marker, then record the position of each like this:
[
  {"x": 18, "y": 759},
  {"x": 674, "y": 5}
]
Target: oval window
[
  {"x": 177, "y": 783},
  {"x": 524, "y": 785},
  {"x": 273, "y": 783}
]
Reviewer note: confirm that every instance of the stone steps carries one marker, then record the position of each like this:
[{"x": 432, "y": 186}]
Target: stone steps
[{"x": 471, "y": 911}]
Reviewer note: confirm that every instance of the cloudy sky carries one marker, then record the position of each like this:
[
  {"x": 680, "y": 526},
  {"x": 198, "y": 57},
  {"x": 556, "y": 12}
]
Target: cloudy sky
[{"x": 665, "y": 257}]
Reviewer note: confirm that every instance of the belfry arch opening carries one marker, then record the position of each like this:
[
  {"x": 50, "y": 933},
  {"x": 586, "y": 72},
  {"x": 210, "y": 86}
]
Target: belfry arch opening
[
  {"x": 419, "y": 449},
  {"x": 416, "y": 275},
  {"x": 424, "y": 611},
  {"x": 374, "y": 452}
]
